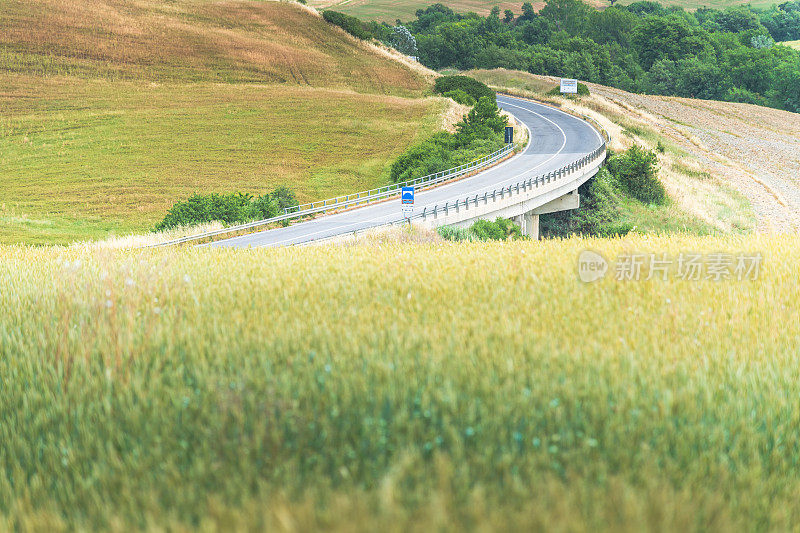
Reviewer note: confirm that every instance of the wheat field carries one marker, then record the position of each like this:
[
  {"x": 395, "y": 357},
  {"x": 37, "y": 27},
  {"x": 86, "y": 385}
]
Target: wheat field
[{"x": 395, "y": 385}]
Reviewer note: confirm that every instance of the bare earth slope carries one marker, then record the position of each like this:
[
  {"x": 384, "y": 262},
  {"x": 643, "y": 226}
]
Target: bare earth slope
[{"x": 756, "y": 149}]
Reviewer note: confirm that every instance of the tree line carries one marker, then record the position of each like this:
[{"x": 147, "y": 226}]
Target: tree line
[{"x": 731, "y": 54}]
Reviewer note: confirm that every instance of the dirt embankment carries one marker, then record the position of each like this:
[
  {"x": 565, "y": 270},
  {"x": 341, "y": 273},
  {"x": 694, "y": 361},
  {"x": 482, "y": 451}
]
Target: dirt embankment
[{"x": 754, "y": 149}]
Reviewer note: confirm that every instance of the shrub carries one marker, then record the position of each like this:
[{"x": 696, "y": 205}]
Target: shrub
[
  {"x": 583, "y": 90},
  {"x": 230, "y": 208},
  {"x": 450, "y": 233},
  {"x": 501, "y": 229},
  {"x": 461, "y": 97},
  {"x": 351, "y": 25},
  {"x": 424, "y": 158},
  {"x": 597, "y": 215},
  {"x": 478, "y": 134},
  {"x": 472, "y": 87},
  {"x": 637, "y": 173},
  {"x": 486, "y": 115}
]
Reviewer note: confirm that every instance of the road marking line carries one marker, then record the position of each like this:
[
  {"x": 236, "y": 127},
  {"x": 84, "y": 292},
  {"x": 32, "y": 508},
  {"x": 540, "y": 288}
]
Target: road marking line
[{"x": 388, "y": 218}]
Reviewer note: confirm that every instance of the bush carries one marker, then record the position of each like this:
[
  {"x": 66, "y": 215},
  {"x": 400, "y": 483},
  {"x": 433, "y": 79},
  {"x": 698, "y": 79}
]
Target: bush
[
  {"x": 472, "y": 87},
  {"x": 351, "y": 25},
  {"x": 461, "y": 97},
  {"x": 597, "y": 215},
  {"x": 230, "y": 208},
  {"x": 501, "y": 229},
  {"x": 583, "y": 90},
  {"x": 637, "y": 173},
  {"x": 478, "y": 134},
  {"x": 450, "y": 233}
]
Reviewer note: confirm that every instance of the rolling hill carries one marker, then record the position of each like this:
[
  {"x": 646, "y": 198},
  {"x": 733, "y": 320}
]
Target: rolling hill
[{"x": 113, "y": 111}]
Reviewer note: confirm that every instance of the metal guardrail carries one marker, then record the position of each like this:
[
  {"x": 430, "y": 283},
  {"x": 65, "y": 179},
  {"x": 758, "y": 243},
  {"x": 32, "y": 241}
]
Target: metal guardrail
[
  {"x": 599, "y": 127},
  {"x": 521, "y": 186},
  {"x": 503, "y": 192},
  {"x": 352, "y": 200}
]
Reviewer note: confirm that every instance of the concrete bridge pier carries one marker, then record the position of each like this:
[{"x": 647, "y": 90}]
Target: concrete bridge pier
[
  {"x": 529, "y": 224},
  {"x": 529, "y": 221}
]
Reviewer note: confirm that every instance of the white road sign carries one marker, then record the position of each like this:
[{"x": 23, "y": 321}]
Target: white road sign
[{"x": 569, "y": 86}]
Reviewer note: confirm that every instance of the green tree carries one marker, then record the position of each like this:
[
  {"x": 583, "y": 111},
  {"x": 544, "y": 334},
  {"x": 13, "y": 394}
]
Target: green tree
[
  {"x": 527, "y": 12},
  {"x": 637, "y": 173},
  {"x": 568, "y": 15},
  {"x": 484, "y": 114}
]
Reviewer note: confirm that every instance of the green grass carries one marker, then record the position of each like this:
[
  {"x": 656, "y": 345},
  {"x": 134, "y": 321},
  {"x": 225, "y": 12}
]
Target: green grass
[
  {"x": 112, "y": 112},
  {"x": 397, "y": 387},
  {"x": 83, "y": 158}
]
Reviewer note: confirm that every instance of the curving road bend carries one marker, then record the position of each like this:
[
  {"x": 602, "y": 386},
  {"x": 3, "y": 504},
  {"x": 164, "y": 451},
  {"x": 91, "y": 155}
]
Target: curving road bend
[{"x": 557, "y": 139}]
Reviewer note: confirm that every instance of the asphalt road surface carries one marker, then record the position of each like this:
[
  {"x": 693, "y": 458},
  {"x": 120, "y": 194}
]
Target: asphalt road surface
[{"x": 557, "y": 139}]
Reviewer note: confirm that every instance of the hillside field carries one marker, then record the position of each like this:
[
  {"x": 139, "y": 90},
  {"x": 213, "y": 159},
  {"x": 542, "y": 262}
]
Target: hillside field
[
  {"x": 391, "y": 10},
  {"x": 82, "y": 158},
  {"x": 398, "y": 386},
  {"x": 111, "y": 113}
]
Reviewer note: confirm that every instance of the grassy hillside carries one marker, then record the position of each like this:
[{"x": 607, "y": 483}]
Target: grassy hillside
[
  {"x": 190, "y": 40},
  {"x": 180, "y": 388},
  {"x": 81, "y": 158},
  {"x": 390, "y": 10},
  {"x": 112, "y": 111}
]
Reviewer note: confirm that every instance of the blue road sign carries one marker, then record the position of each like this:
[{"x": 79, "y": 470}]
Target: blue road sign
[{"x": 407, "y": 196}]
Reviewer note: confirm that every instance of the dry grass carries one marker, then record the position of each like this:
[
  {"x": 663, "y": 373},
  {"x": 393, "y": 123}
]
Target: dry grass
[
  {"x": 263, "y": 42},
  {"x": 792, "y": 44},
  {"x": 137, "y": 241},
  {"x": 397, "y": 387}
]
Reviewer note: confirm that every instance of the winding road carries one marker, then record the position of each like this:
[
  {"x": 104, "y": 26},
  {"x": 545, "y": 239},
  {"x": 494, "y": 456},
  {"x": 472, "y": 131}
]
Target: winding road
[{"x": 557, "y": 139}]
